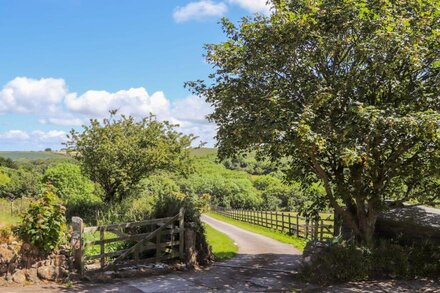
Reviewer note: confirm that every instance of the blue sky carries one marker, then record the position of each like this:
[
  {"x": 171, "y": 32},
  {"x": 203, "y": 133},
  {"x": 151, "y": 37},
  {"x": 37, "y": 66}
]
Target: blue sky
[{"x": 64, "y": 61}]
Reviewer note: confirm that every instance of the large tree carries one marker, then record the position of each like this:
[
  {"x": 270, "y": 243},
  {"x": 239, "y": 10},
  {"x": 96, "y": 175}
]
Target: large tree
[
  {"x": 348, "y": 89},
  {"x": 118, "y": 153}
]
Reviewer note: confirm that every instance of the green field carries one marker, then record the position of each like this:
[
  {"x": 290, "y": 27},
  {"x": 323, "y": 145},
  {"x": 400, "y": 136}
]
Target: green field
[
  {"x": 14, "y": 155},
  {"x": 222, "y": 246},
  {"x": 10, "y": 211},
  {"x": 203, "y": 152}
]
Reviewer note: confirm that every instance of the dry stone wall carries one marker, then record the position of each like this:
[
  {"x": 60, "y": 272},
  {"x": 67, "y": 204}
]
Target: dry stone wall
[{"x": 22, "y": 264}]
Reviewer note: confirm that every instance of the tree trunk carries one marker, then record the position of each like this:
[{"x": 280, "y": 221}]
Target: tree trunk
[{"x": 366, "y": 231}]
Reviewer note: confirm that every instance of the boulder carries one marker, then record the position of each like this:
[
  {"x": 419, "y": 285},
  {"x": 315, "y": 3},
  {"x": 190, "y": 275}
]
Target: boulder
[
  {"x": 6, "y": 255},
  {"x": 312, "y": 251},
  {"x": 19, "y": 277},
  {"x": 32, "y": 275},
  {"x": 410, "y": 222},
  {"x": 50, "y": 273}
]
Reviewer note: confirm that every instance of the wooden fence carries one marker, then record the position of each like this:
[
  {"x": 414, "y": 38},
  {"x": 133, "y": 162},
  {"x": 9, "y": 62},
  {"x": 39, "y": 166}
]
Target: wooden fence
[
  {"x": 111, "y": 246},
  {"x": 286, "y": 222}
]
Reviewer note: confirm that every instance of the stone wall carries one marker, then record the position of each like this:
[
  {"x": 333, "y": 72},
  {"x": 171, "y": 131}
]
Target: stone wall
[{"x": 22, "y": 264}]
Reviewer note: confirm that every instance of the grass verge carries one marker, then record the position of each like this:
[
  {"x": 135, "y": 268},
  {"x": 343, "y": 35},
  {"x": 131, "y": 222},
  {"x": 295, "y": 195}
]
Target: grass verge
[
  {"x": 277, "y": 235},
  {"x": 223, "y": 247}
]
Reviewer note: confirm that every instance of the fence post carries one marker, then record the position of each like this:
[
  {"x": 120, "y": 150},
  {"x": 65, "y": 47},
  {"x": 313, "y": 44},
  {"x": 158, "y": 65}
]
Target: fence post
[
  {"x": 321, "y": 237},
  {"x": 181, "y": 233},
  {"x": 102, "y": 247},
  {"x": 77, "y": 243},
  {"x": 290, "y": 224},
  {"x": 297, "y": 224},
  {"x": 158, "y": 240},
  {"x": 282, "y": 221},
  {"x": 316, "y": 230}
]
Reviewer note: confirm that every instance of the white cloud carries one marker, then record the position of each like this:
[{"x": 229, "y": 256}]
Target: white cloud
[
  {"x": 135, "y": 101},
  {"x": 26, "y": 95},
  {"x": 192, "y": 108},
  {"x": 37, "y": 139},
  {"x": 252, "y": 6},
  {"x": 63, "y": 121},
  {"x": 50, "y": 102},
  {"x": 199, "y": 10},
  {"x": 14, "y": 135}
]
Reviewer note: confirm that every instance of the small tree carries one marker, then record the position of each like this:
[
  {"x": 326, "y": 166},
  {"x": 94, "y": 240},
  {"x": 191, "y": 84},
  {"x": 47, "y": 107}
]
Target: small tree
[
  {"x": 348, "y": 89},
  {"x": 118, "y": 153},
  {"x": 44, "y": 223}
]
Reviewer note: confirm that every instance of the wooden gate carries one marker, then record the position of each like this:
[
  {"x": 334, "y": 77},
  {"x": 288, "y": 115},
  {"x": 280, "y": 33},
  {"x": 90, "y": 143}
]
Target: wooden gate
[{"x": 117, "y": 245}]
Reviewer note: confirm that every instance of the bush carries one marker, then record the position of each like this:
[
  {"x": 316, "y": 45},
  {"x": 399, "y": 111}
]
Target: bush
[
  {"x": 338, "y": 263},
  {"x": 342, "y": 262},
  {"x": 424, "y": 259},
  {"x": 44, "y": 223},
  {"x": 19, "y": 183},
  {"x": 79, "y": 194},
  {"x": 390, "y": 260}
]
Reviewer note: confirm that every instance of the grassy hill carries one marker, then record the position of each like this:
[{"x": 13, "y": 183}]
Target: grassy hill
[
  {"x": 14, "y": 155},
  {"x": 203, "y": 152}
]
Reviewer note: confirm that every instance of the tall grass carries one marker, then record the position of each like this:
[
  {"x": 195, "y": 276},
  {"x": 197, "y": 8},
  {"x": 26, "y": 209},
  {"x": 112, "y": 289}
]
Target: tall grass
[{"x": 11, "y": 211}]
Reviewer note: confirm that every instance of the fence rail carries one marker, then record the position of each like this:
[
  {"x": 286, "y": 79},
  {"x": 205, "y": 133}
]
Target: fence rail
[
  {"x": 286, "y": 222},
  {"x": 117, "y": 245}
]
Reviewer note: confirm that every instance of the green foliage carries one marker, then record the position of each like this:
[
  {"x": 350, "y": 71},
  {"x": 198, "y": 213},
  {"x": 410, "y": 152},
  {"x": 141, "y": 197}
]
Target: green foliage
[
  {"x": 8, "y": 163},
  {"x": 118, "y": 153},
  {"x": 17, "y": 183},
  {"x": 424, "y": 259},
  {"x": 44, "y": 223},
  {"x": 389, "y": 260},
  {"x": 78, "y": 193},
  {"x": 250, "y": 164},
  {"x": 277, "y": 194},
  {"x": 337, "y": 264},
  {"x": 346, "y": 261},
  {"x": 345, "y": 90},
  {"x": 225, "y": 187}
]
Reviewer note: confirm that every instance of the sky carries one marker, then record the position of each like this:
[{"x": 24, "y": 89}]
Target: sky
[{"x": 63, "y": 62}]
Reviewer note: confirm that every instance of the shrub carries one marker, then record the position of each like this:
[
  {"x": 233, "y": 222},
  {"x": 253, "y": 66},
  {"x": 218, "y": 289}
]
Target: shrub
[
  {"x": 19, "y": 183},
  {"x": 390, "y": 260},
  {"x": 424, "y": 259},
  {"x": 338, "y": 263},
  {"x": 342, "y": 262},
  {"x": 79, "y": 194},
  {"x": 44, "y": 223}
]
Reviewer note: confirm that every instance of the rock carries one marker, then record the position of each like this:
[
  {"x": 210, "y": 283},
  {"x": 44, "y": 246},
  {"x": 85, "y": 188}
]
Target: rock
[
  {"x": 26, "y": 247},
  {"x": 50, "y": 273},
  {"x": 59, "y": 260},
  {"x": 19, "y": 277},
  {"x": 6, "y": 255},
  {"x": 312, "y": 250},
  {"x": 32, "y": 275},
  {"x": 8, "y": 278}
]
